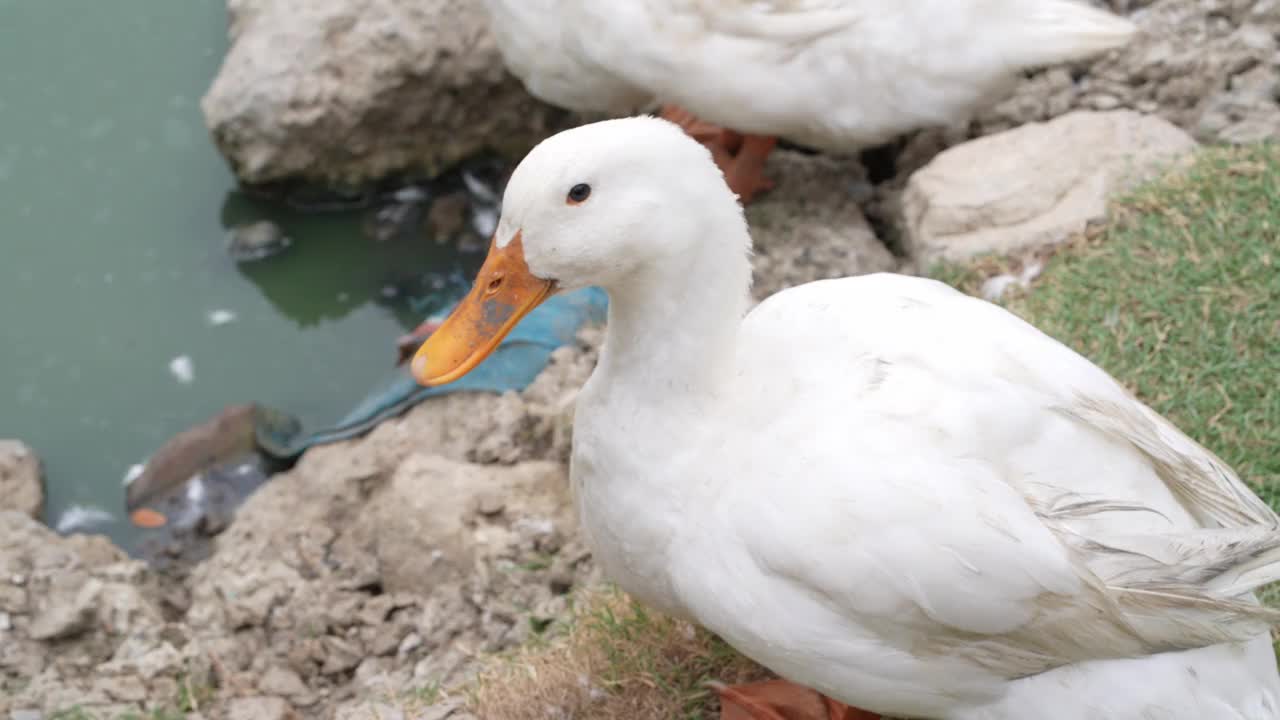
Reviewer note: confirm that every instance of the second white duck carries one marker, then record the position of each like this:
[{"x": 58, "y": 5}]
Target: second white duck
[{"x": 837, "y": 75}]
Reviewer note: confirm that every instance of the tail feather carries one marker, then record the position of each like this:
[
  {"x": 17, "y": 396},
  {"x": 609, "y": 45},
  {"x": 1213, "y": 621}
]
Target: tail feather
[
  {"x": 1189, "y": 588},
  {"x": 1058, "y": 31},
  {"x": 1176, "y": 590},
  {"x": 1173, "y": 619}
]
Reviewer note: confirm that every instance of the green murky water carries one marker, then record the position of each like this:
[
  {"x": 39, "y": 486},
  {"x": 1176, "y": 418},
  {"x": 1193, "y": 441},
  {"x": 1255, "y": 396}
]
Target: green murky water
[{"x": 115, "y": 208}]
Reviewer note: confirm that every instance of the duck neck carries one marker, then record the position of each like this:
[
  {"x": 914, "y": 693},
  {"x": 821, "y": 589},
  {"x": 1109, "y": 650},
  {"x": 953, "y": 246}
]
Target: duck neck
[{"x": 673, "y": 327}]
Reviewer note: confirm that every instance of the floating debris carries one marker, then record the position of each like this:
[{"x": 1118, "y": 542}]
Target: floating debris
[
  {"x": 133, "y": 472},
  {"x": 220, "y": 317},
  {"x": 256, "y": 240},
  {"x": 479, "y": 189},
  {"x": 223, "y": 438},
  {"x": 410, "y": 194},
  {"x": 79, "y": 518},
  {"x": 484, "y": 187},
  {"x": 391, "y": 221},
  {"x": 995, "y": 287},
  {"x": 178, "y": 526},
  {"x": 183, "y": 369},
  {"x": 484, "y": 220},
  {"x": 446, "y": 217}
]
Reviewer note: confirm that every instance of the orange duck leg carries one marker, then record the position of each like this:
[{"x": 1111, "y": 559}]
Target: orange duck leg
[
  {"x": 740, "y": 157},
  {"x": 782, "y": 700}
]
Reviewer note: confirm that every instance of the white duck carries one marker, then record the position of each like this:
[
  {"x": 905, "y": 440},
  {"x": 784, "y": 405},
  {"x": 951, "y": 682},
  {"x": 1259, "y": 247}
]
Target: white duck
[
  {"x": 837, "y": 75},
  {"x": 881, "y": 488}
]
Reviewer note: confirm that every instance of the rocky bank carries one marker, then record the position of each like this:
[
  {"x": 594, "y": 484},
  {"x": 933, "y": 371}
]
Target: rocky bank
[{"x": 376, "y": 569}]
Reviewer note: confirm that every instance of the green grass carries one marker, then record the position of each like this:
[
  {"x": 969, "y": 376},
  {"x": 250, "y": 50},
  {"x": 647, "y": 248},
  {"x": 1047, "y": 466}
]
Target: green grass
[
  {"x": 614, "y": 659},
  {"x": 1179, "y": 298}
]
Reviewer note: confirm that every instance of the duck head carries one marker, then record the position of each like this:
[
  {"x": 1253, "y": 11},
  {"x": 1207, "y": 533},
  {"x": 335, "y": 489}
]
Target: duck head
[{"x": 607, "y": 204}]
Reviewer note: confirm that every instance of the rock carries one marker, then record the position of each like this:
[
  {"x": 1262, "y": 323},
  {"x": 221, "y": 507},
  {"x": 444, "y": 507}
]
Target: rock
[
  {"x": 341, "y": 92},
  {"x": 1183, "y": 65},
  {"x": 21, "y": 479},
  {"x": 811, "y": 226},
  {"x": 256, "y": 240},
  {"x": 260, "y": 708},
  {"x": 1245, "y": 111},
  {"x": 145, "y": 658},
  {"x": 446, "y": 710},
  {"x": 392, "y": 554},
  {"x": 84, "y": 624},
  {"x": 418, "y": 525},
  {"x": 67, "y": 611},
  {"x": 364, "y": 710},
  {"x": 373, "y": 565},
  {"x": 284, "y": 682},
  {"x": 1034, "y": 186},
  {"x": 125, "y": 688}
]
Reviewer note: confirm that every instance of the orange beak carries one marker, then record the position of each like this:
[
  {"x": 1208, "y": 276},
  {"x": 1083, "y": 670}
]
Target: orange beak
[{"x": 504, "y": 292}]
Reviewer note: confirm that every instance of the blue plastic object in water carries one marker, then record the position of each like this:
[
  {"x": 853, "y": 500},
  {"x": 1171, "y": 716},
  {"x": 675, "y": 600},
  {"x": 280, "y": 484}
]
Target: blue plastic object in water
[{"x": 517, "y": 361}]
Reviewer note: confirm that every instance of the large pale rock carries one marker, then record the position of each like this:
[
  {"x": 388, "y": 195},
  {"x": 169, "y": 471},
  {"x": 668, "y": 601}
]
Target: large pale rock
[
  {"x": 419, "y": 526},
  {"x": 1033, "y": 186},
  {"x": 346, "y": 91},
  {"x": 21, "y": 479}
]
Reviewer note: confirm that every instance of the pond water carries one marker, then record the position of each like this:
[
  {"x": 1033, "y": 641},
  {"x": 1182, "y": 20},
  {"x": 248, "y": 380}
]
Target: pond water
[{"x": 115, "y": 209}]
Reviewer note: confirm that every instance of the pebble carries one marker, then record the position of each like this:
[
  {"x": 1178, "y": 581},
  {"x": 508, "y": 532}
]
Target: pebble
[{"x": 411, "y": 642}]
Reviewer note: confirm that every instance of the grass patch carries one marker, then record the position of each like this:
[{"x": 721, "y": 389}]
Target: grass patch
[
  {"x": 1178, "y": 297},
  {"x": 615, "y": 659}
]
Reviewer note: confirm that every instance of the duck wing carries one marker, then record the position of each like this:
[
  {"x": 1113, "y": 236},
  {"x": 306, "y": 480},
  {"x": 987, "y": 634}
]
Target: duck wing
[{"x": 940, "y": 556}]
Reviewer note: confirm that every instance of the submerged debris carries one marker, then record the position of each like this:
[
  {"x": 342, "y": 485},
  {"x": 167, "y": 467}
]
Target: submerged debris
[
  {"x": 82, "y": 518},
  {"x": 256, "y": 240}
]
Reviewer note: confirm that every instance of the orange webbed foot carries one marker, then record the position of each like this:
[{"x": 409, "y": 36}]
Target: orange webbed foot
[
  {"x": 782, "y": 700},
  {"x": 745, "y": 173},
  {"x": 741, "y": 157}
]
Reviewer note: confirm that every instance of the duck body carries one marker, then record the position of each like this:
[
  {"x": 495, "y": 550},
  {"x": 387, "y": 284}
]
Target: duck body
[
  {"x": 529, "y": 37},
  {"x": 903, "y": 497},
  {"x": 832, "y": 74},
  {"x": 911, "y": 464}
]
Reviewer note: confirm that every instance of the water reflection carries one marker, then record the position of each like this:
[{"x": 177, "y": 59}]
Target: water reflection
[{"x": 399, "y": 251}]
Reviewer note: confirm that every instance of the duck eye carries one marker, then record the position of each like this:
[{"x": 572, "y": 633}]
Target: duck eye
[
  {"x": 579, "y": 193},
  {"x": 495, "y": 283}
]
